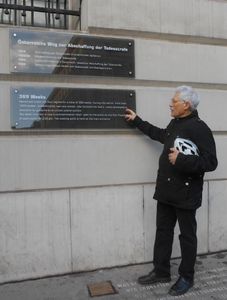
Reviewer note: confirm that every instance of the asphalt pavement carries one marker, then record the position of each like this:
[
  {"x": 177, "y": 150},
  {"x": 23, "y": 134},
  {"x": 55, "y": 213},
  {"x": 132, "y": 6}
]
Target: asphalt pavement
[{"x": 210, "y": 283}]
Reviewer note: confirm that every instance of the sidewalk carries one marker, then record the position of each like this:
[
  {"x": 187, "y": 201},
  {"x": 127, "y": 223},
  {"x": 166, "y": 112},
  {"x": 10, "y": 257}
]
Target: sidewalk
[{"x": 210, "y": 283}]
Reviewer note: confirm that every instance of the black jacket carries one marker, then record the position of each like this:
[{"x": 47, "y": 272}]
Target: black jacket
[{"x": 181, "y": 184}]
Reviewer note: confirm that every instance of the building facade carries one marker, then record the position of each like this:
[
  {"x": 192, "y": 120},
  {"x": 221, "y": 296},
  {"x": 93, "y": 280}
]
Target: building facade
[{"x": 75, "y": 200}]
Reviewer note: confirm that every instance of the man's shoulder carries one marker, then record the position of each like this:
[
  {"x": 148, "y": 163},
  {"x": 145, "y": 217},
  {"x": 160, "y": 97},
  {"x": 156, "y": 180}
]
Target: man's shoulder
[
  {"x": 199, "y": 127},
  {"x": 200, "y": 122}
]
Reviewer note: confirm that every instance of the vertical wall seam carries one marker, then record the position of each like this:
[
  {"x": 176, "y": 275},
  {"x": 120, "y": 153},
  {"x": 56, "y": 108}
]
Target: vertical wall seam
[
  {"x": 208, "y": 216},
  {"x": 70, "y": 230},
  {"x": 144, "y": 242}
]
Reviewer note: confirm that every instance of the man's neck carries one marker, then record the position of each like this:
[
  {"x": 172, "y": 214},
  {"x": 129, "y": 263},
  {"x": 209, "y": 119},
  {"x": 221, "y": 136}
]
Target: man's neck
[{"x": 187, "y": 113}]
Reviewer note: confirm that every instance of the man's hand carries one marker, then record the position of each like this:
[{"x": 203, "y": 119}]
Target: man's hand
[
  {"x": 173, "y": 155},
  {"x": 129, "y": 115}
]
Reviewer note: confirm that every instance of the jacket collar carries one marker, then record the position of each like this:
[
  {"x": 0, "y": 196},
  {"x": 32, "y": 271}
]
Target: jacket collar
[{"x": 194, "y": 114}]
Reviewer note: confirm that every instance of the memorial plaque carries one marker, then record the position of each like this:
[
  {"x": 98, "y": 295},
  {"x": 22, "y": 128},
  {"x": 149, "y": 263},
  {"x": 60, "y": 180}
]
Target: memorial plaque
[
  {"x": 65, "y": 53},
  {"x": 49, "y": 107},
  {"x": 101, "y": 289}
]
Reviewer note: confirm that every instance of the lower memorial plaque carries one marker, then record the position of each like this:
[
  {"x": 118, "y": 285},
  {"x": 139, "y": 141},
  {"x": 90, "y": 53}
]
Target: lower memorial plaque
[{"x": 49, "y": 107}]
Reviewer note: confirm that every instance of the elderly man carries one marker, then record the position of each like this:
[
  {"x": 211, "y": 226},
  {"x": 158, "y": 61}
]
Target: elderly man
[{"x": 189, "y": 151}]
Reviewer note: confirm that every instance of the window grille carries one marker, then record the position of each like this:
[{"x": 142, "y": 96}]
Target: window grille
[{"x": 37, "y": 13}]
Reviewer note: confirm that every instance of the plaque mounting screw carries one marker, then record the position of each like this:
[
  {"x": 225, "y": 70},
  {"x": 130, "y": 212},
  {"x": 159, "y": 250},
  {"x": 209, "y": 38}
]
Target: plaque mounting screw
[
  {"x": 130, "y": 44},
  {"x": 16, "y": 91},
  {"x": 15, "y": 34},
  {"x": 131, "y": 94},
  {"x": 130, "y": 72},
  {"x": 15, "y": 67}
]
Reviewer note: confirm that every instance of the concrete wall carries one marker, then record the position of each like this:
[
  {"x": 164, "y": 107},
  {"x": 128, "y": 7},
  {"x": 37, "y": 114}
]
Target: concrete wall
[
  {"x": 74, "y": 200},
  {"x": 199, "y": 18}
]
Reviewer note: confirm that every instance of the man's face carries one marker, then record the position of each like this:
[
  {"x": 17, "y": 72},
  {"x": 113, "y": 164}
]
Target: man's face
[{"x": 179, "y": 108}]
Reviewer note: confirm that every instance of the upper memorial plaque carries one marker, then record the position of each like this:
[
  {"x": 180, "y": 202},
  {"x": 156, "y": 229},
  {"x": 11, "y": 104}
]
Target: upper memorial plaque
[{"x": 64, "y": 53}]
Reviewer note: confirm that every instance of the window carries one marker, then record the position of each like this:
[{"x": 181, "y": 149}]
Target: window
[{"x": 38, "y": 13}]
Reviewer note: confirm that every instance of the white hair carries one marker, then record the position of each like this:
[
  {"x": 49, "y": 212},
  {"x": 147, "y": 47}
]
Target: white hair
[{"x": 186, "y": 93}]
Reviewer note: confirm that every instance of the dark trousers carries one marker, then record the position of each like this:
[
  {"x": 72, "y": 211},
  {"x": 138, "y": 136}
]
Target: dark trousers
[{"x": 166, "y": 219}]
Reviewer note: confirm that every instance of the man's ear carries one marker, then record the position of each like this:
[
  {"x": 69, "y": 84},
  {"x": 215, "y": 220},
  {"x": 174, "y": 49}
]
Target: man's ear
[{"x": 187, "y": 105}]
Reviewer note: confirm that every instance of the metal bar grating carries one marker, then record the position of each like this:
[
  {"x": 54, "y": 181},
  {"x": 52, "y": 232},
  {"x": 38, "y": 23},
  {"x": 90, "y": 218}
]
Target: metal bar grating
[{"x": 37, "y": 13}]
